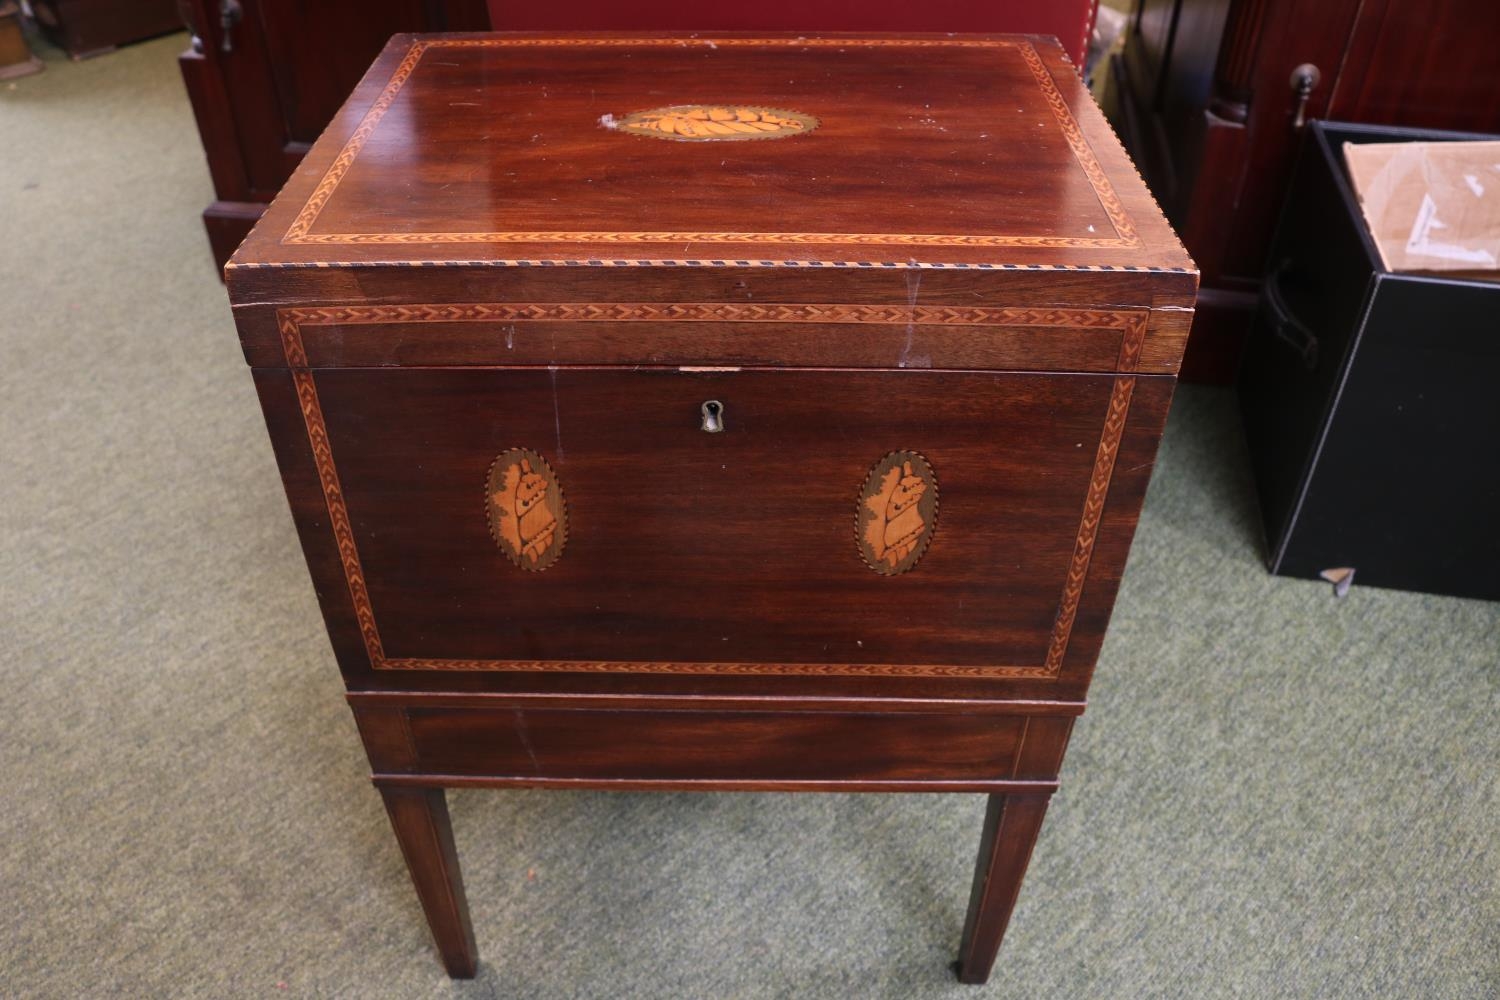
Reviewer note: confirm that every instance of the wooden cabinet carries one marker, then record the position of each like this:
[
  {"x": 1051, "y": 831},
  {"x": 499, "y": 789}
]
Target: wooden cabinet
[
  {"x": 16, "y": 58},
  {"x": 1069, "y": 21},
  {"x": 1209, "y": 108},
  {"x": 86, "y": 28},
  {"x": 266, "y": 76},
  {"x": 637, "y": 442}
]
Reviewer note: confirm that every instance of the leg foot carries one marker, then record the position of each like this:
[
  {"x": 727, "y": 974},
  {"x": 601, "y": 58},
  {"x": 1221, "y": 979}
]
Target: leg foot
[
  {"x": 420, "y": 819},
  {"x": 1011, "y": 823}
]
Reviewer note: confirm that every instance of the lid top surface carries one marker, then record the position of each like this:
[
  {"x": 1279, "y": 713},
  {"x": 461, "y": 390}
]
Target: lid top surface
[{"x": 492, "y": 149}]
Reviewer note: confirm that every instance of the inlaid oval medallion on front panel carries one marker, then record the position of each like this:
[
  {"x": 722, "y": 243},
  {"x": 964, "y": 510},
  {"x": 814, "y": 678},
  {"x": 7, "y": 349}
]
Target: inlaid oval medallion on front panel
[
  {"x": 527, "y": 513},
  {"x": 897, "y": 513}
]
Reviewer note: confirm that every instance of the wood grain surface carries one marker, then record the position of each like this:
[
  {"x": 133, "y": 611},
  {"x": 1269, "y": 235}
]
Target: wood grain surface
[
  {"x": 692, "y": 552},
  {"x": 451, "y": 514},
  {"x": 516, "y": 159}
]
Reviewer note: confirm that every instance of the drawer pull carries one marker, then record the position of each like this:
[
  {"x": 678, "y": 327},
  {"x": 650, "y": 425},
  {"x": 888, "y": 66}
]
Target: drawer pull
[{"x": 713, "y": 416}]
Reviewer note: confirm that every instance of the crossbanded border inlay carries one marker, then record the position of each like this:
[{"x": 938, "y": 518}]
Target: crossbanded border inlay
[
  {"x": 723, "y": 312},
  {"x": 1131, "y": 323},
  {"x": 1125, "y": 236}
]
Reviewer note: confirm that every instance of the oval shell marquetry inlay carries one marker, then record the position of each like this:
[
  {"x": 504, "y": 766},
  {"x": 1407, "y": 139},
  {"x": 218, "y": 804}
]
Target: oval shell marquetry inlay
[
  {"x": 715, "y": 123},
  {"x": 897, "y": 513},
  {"x": 528, "y": 517}
]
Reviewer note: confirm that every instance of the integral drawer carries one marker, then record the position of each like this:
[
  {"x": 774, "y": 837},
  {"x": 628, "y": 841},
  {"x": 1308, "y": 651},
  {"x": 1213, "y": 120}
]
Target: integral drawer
[
  {"x": 722, "y": 521},
  {"x": 689, "y": 746}
]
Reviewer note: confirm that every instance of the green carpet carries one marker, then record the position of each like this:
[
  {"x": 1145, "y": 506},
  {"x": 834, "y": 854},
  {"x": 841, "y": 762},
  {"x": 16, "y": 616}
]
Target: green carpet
[{"x": 1274, "y": 793}]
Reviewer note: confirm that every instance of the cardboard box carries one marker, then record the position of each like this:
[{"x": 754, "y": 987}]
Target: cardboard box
[{"x": 1431, "y": 206}]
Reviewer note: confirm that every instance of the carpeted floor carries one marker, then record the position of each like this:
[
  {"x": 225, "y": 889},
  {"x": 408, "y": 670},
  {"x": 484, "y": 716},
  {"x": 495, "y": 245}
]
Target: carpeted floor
[{"x": 1274, "y": 793}]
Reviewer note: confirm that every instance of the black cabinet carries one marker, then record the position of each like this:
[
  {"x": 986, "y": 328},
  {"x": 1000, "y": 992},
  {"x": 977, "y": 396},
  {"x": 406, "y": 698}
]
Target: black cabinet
[{"x": 1369, "y": 398}]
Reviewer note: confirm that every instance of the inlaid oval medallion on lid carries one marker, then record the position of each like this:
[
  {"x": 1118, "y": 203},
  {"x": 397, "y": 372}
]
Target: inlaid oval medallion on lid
[{"x": 713, "y": 123}]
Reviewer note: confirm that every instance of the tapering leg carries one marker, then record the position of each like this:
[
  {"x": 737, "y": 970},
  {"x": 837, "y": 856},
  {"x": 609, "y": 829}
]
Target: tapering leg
[
  {"x": 1011, "y": 823},
  {"x": 420, "y": 818}
]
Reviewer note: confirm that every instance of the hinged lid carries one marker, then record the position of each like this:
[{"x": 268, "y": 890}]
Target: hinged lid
[{"x": 497, "y": 153}]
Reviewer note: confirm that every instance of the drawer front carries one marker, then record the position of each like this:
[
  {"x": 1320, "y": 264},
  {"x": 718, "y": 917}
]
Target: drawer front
[
  {"x": 759, "y": 748},
  {"x": 874, "y": 522}
]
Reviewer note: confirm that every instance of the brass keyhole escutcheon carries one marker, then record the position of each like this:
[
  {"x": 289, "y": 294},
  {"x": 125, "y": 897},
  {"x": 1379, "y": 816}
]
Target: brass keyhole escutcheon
[{"x": 713, "y": 416}]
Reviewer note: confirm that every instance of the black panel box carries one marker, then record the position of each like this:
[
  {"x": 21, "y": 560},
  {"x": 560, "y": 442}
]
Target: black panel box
[{"x": 1370, "y": 398}]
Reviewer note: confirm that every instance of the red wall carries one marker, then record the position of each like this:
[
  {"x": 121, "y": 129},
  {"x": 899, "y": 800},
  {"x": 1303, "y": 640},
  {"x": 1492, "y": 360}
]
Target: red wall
[{"x": 1069, "y": 20}]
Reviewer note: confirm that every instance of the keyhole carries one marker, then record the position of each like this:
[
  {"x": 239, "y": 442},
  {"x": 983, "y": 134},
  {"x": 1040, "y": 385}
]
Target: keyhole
[{"x": 713, "y": 416}]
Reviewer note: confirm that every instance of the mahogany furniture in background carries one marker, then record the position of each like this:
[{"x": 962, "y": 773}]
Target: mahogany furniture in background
[
  {"x": 16, "y": 58},
  {"x": 266, "y": 76},
  {"x": 86, "y": 28},
  {"x": 744, "y": 412},
  {"x": 1070, "y": 21},
  {"x": 1210, "y": 97}
]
